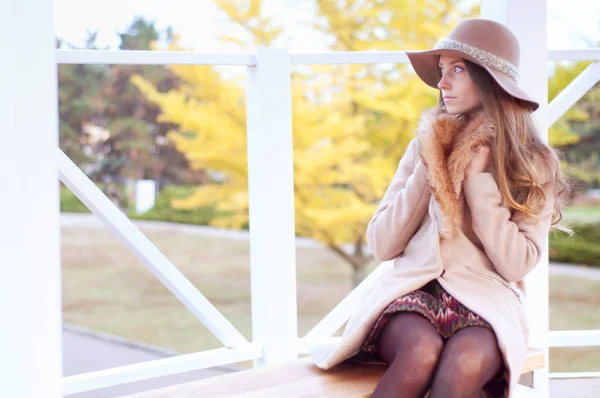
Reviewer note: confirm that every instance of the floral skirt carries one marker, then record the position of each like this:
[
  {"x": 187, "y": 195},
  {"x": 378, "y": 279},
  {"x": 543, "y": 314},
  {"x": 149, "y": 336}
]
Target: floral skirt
[{"x": 446, "y": 313}]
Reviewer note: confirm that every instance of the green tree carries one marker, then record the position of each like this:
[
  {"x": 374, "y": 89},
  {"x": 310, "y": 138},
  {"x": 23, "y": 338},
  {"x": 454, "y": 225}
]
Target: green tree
[
  {"x": 80, "y": 104},
  {"x": 137, "y": 147}
]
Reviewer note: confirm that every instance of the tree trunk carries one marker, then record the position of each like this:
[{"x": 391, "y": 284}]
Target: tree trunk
[{"x": 359, "y": 274}]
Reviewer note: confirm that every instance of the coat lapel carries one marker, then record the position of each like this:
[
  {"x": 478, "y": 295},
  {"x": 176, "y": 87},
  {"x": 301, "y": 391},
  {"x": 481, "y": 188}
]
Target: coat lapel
[{"x": 447, "y": 145}]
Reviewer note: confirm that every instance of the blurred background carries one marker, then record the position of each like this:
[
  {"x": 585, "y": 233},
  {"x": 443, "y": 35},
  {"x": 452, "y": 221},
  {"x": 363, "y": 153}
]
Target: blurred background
[{"x": 176, "y": 135}]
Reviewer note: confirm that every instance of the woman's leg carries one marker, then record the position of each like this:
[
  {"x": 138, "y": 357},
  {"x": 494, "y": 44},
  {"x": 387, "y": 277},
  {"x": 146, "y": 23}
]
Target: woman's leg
[
  {"x": 411, "y": 346},
  {"x": 470, "y": 359}
]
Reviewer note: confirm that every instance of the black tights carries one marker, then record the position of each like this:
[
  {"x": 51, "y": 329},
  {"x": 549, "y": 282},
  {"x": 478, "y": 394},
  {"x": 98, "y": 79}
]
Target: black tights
[{"x": 419, "y": 360}]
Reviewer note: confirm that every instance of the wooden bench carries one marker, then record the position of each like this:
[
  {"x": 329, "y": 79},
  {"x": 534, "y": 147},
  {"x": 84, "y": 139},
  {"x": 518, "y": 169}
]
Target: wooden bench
[{"x": 299, "y": 378}]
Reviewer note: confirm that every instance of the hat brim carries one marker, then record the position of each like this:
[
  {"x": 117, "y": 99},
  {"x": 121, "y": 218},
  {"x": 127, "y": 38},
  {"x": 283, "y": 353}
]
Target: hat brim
[{"x": 425, "y": 64}]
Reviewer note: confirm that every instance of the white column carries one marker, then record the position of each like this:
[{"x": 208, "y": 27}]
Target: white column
[
  {"x": 30, "y": 283},
  {"x": 527, "y": 19},
  {"x": 271, "y": 190}
]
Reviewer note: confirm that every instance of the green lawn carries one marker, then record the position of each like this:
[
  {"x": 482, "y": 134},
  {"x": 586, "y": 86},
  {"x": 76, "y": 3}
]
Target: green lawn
[
  {"x": 574, "y": 304},
  {"x": 585, "y": 214},
  {"x": 107, "y": 289}
]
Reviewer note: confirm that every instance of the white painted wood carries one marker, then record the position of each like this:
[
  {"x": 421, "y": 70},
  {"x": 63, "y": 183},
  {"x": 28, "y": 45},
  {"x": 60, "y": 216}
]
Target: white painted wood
[
  {"x": 145, "y": 195},
  {"x": 145, "y": 250},
  {"x": 528, "y": 21},
  {"x": 342, "y": 312},
  {"x": 305, "y": 344},
  {"x": 588, "y": 54},
  {"x": 30, "y": 287},
  {"x": 526, "y": 392},
  {"x": 158, "y": 368},
  {"x": 125, "y": 57},
  {"x": 134, "y": 57},
  {"x": 573, "y": 92},
  {"x": 271, "y": 201},
  {"x": 575, "y": 375},
  {"x": 575, "y": 338},
  {"x": 350, "y": 57}
]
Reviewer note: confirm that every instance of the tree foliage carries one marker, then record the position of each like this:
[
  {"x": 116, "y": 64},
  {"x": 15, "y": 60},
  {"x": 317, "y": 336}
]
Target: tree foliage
[
  {"x": 577, "y": 132},
  {"x": 351, "y": 123},
  {"x": 107, "y": 126}
]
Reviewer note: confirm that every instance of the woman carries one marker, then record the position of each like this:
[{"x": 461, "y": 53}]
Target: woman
[{"x": 464, "y": 219}]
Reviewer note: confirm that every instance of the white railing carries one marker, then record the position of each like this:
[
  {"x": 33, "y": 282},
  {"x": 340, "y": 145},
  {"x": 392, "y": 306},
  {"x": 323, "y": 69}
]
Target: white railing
[
  {"x": 559, "y": 105},
  {"x": 270, "y": 103},
  {"x": 272, "y": 234},
  {"x": 270, "y": 151}
]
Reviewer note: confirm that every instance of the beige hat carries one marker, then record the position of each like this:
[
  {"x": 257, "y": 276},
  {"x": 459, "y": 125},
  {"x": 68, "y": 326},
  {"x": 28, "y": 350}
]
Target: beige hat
[{"x": 484, "y": 42}]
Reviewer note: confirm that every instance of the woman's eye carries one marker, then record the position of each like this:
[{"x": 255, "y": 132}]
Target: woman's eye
[{"x": 454, "y": 70}]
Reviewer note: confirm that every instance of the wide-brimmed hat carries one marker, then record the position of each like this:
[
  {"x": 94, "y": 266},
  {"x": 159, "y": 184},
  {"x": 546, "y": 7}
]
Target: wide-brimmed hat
[{"x": 486, "y": 43}]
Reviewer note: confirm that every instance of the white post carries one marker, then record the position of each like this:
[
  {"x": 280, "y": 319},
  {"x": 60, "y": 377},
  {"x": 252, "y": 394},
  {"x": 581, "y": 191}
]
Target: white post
[
  {"x": 271, "y": 198},
  {"x": 527, "y": 19},
  {"x": 30, "y": 287},
  {"x": 145, "y": 195}
]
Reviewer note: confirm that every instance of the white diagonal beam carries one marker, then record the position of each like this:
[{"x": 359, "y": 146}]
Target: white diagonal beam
[
  {"x": 342, "y": 312},
  {"x": 145, "y": 250},
  {"x": 158, "y": 368},
  {"x": 573, "y": 92}
]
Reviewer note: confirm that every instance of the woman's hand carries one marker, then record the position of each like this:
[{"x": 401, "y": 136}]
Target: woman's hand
[{"x": 481, "y": 161}]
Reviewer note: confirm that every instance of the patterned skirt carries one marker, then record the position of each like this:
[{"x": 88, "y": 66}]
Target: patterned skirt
[{"x": 446, "y": 313}]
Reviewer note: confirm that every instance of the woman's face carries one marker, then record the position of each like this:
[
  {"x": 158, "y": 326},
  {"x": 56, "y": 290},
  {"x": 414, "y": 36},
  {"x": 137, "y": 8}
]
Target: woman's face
[{"x": 458, "y": 90}]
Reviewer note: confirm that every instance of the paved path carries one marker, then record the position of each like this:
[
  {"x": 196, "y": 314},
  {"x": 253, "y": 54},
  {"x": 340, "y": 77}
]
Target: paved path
[
  {"x": 89, "y": 220},
  {"x": 578, "y": 271},
  {"x": 85, "y": 351},
  {"x": 575, "y": 388}
]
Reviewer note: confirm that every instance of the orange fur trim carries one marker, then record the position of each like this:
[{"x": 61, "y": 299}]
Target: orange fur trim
[{"x": 448, "y": 144}]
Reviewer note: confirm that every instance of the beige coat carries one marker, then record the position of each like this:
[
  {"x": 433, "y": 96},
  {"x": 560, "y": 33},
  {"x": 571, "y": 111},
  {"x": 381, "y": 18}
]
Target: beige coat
[{"x": 436, "y": 225}]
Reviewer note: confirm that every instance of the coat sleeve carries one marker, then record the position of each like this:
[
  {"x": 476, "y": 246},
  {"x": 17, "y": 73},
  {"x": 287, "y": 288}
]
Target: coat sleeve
[
  {"x": 513, "y": 243},
  {"x": 402, "y": 208}
]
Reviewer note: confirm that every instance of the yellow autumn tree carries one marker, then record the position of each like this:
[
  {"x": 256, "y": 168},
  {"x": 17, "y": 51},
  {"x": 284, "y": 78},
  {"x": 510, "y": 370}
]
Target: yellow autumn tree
[
  {"x": 561, "y": 134},
  {"x": 351, "y": 123},
  {"x": 583, "y": 164}
]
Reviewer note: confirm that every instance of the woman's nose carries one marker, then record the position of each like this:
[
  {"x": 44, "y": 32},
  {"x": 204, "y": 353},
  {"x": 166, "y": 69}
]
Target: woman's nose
[{"x": 443, "y": 83}]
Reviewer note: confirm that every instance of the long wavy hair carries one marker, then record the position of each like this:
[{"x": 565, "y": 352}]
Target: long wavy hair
[{"x": 521, "y": 158}]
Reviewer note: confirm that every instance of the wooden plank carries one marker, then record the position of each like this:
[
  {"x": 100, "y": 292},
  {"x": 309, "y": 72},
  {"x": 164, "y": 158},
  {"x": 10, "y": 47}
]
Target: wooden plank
[
  {"x": 299, "y": 378},
  {"x": 535, "y": 360}
]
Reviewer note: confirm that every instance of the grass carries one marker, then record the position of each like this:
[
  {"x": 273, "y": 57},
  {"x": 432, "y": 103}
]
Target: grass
[
  {"x": 581, "y": 214},
  {"x": 107, "y": 288},
  {"x": 574, "y": 304}
]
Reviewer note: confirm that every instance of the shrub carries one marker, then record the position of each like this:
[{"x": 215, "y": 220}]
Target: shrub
[
  {"x": 162, "y": 210},
  {"x": 582, "y": 248},
  {"x": 70, "y": 203}
]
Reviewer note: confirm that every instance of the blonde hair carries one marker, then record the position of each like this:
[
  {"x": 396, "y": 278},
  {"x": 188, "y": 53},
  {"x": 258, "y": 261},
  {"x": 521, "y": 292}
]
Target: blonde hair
[{"x": 523, "y": 161}]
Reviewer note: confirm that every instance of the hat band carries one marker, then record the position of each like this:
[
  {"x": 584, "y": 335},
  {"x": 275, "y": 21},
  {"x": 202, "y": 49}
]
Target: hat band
[{"x": 486, "y": 58}]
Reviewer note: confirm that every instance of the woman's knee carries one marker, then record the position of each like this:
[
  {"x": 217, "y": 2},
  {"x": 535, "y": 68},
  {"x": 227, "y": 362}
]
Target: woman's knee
[
  {"x": 411, "y": 338},
  {"x": 472, "y": 353},
  {"x": 423, "y": 351}
]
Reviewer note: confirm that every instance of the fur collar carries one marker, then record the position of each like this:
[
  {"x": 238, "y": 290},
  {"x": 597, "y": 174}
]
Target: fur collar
[{"x": 447, "y": 145}]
